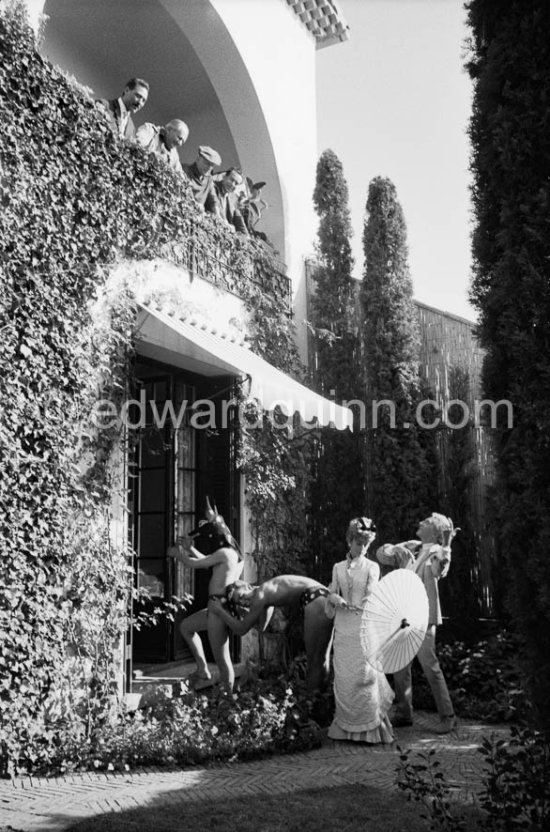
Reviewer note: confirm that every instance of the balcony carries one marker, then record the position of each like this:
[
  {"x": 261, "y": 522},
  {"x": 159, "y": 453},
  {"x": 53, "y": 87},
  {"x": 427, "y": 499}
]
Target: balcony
[{"x": 203, "y": 245}]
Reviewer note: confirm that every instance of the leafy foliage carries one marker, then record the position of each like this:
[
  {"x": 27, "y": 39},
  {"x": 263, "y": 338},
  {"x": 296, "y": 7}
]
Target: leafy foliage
[
  {"x": 461, "y": 591},
  {"x": 263, "y": 718},
  {"x": 484, "y": 679},
  {"x": 275, "y": 462},
  {"x": 401, "y": 484},
  {"x": 333, "y": 300},
  {"x": 514, "y": 791},
  {"x": 337, "y": 492},
  {"x": 75, "y": 202},
  {"x": 510, "y": 67},
  {"x": 422, "y": 779}
]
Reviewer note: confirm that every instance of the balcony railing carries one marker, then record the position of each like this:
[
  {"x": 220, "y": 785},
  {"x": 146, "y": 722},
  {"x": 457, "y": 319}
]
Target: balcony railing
[{"x": 233, "y": 262}]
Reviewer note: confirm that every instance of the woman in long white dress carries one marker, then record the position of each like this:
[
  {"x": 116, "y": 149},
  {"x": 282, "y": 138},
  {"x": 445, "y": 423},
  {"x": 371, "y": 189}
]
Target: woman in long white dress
[{"x": 362, "y": 694}]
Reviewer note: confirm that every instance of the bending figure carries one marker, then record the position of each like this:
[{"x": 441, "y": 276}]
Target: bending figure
[{"x": 285, "y": 590}]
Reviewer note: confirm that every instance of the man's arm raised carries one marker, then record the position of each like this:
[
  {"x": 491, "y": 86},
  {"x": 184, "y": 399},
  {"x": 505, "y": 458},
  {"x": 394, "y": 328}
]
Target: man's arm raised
[{"x": 195, "y": 560}]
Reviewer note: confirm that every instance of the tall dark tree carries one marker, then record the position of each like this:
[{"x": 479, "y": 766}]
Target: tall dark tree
[
  {"x": 462, "y": 591},
  {"x": 400, "y": 455},
  {"x": 333, "y": 301},
  {"x": 337, "y": 491},
  {"x": 510, "y": 129}
]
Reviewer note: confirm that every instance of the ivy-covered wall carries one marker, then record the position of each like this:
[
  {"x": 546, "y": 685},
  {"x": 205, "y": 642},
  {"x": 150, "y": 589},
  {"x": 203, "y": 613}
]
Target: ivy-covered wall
[{"x": 74, "y": 202}]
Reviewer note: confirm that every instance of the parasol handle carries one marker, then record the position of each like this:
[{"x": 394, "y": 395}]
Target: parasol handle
[{"x": 404, "y": 623}]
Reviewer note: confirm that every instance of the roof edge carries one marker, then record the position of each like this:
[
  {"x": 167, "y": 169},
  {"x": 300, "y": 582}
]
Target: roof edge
[{"x": 324, "y": 19}]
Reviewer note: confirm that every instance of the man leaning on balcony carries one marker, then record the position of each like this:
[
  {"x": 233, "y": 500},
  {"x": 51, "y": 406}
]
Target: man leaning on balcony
[
  {"x": 200, "y": 177},
  {"x": 226, "y": 206},
  {"x": 164, "y": 141},
  {"x": 120, "y": 110}
]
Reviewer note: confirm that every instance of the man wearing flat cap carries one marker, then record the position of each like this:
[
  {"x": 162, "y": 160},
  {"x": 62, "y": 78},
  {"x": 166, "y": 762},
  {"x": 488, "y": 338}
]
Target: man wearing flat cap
[{"x": 200, "y": 177}]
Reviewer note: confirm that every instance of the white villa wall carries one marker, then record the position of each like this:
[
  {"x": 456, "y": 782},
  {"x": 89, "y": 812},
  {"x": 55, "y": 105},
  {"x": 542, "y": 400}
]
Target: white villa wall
[{"x": 281, "y": 63}]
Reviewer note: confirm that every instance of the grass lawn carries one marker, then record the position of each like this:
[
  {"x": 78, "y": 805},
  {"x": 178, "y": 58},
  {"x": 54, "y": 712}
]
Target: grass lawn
[{"x": 340, "y": 809}]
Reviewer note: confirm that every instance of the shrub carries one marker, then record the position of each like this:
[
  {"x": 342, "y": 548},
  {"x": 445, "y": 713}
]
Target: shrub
[
  {"x": 423, "y": 781},
  {"x": 484, "y": 680},
  {"x": 264, "y": 717},
  {"x": 514, "y": 792}
]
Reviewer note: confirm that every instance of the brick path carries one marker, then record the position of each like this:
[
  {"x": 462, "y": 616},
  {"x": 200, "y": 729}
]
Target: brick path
[{"x": 34, "y": 804}]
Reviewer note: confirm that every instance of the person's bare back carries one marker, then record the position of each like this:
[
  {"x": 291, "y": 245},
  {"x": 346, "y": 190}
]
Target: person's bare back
[{"x": 283, "y": 590}]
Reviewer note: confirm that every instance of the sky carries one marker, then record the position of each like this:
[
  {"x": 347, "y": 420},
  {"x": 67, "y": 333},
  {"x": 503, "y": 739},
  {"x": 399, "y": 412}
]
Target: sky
[{"x": 395, "y": 101}]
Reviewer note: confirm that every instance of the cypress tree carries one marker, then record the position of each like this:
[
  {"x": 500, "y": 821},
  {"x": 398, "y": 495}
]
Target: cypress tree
[
  {"x": 509, "y": 130},
  {"x": 333, "y": 302},
  {"x": 337, "y": 491},
  {"x": 401, "y": 485}
]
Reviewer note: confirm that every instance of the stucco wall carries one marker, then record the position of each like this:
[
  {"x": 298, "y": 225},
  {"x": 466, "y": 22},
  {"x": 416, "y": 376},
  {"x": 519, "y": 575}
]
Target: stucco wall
[{"x": 280, "y": 56}]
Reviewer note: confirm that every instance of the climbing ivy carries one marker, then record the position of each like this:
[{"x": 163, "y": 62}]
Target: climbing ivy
[{"x": 75, "y": 202}]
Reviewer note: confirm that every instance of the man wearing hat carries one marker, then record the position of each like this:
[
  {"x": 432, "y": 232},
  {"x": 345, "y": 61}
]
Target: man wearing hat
[
  {"x": 430, "y": 557},
  {"x": 164, "y": 141},
  {"x": 200, "y": 177}
]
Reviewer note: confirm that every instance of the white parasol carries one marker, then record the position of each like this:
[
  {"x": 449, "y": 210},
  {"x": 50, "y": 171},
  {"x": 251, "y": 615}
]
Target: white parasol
[{"x": 394, "y": 621}]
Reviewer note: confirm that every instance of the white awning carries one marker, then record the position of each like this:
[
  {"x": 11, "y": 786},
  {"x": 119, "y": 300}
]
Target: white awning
[{"x": 192, "y": 345}]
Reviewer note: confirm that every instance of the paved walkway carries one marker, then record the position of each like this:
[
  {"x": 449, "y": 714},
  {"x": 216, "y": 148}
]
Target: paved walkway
[{"x": 35, "y": 804}]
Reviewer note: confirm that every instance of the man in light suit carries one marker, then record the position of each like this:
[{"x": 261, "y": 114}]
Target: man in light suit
[
  {"x": 164, "y": 141},
  {"x": 133, "y": 98},
  {"x": 430, "y": 558}
]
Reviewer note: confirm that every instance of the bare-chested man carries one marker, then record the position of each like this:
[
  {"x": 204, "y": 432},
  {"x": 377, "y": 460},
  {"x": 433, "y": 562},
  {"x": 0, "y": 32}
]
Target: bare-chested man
[
  {"x": 227, "y": 566},
  {"x": 285, "y": 590}
]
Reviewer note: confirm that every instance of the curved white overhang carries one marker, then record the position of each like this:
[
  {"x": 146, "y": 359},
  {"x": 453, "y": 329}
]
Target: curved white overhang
[
  {"x": 196, "y": 72},
  {"x": 192, "y": 345}
]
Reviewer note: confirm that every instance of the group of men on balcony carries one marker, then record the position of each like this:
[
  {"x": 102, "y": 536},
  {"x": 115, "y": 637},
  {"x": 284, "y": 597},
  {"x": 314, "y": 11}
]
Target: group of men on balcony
[{"x": 218, "y": 195}]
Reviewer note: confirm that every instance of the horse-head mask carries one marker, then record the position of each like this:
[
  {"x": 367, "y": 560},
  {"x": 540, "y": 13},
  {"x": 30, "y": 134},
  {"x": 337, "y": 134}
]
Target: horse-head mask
[{"x": 213, "y": 531}]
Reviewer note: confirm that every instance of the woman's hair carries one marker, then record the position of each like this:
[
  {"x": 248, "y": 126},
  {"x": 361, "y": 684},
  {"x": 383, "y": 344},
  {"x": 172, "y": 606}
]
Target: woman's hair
[
  {"x": 441, "y": 524},
  {"x": 362, "y": 529}
]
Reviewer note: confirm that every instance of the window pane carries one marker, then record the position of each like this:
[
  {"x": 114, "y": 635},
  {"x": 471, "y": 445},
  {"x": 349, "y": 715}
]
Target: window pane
[
  {"x": 152, "y": 536},
  {"x": 151, "y": 576},
  {"x": 183, "y": 580},
  {"x": 160, "y": 391},
  {"x": 153, "y": 448},
  {"x": 153, "y": 490}
]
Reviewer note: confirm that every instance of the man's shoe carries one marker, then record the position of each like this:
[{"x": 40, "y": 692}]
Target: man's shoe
[
  {"x": 401, "y": 722},
  {"x": 446, "y": 725}
]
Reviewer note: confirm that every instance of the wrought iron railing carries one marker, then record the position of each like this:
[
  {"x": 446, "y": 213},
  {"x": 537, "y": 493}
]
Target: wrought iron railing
[{"x": 230, "y": 261}]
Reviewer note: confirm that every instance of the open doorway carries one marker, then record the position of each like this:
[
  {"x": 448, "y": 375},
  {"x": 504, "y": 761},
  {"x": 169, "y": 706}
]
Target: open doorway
[{"x": 174, "y": 465}]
